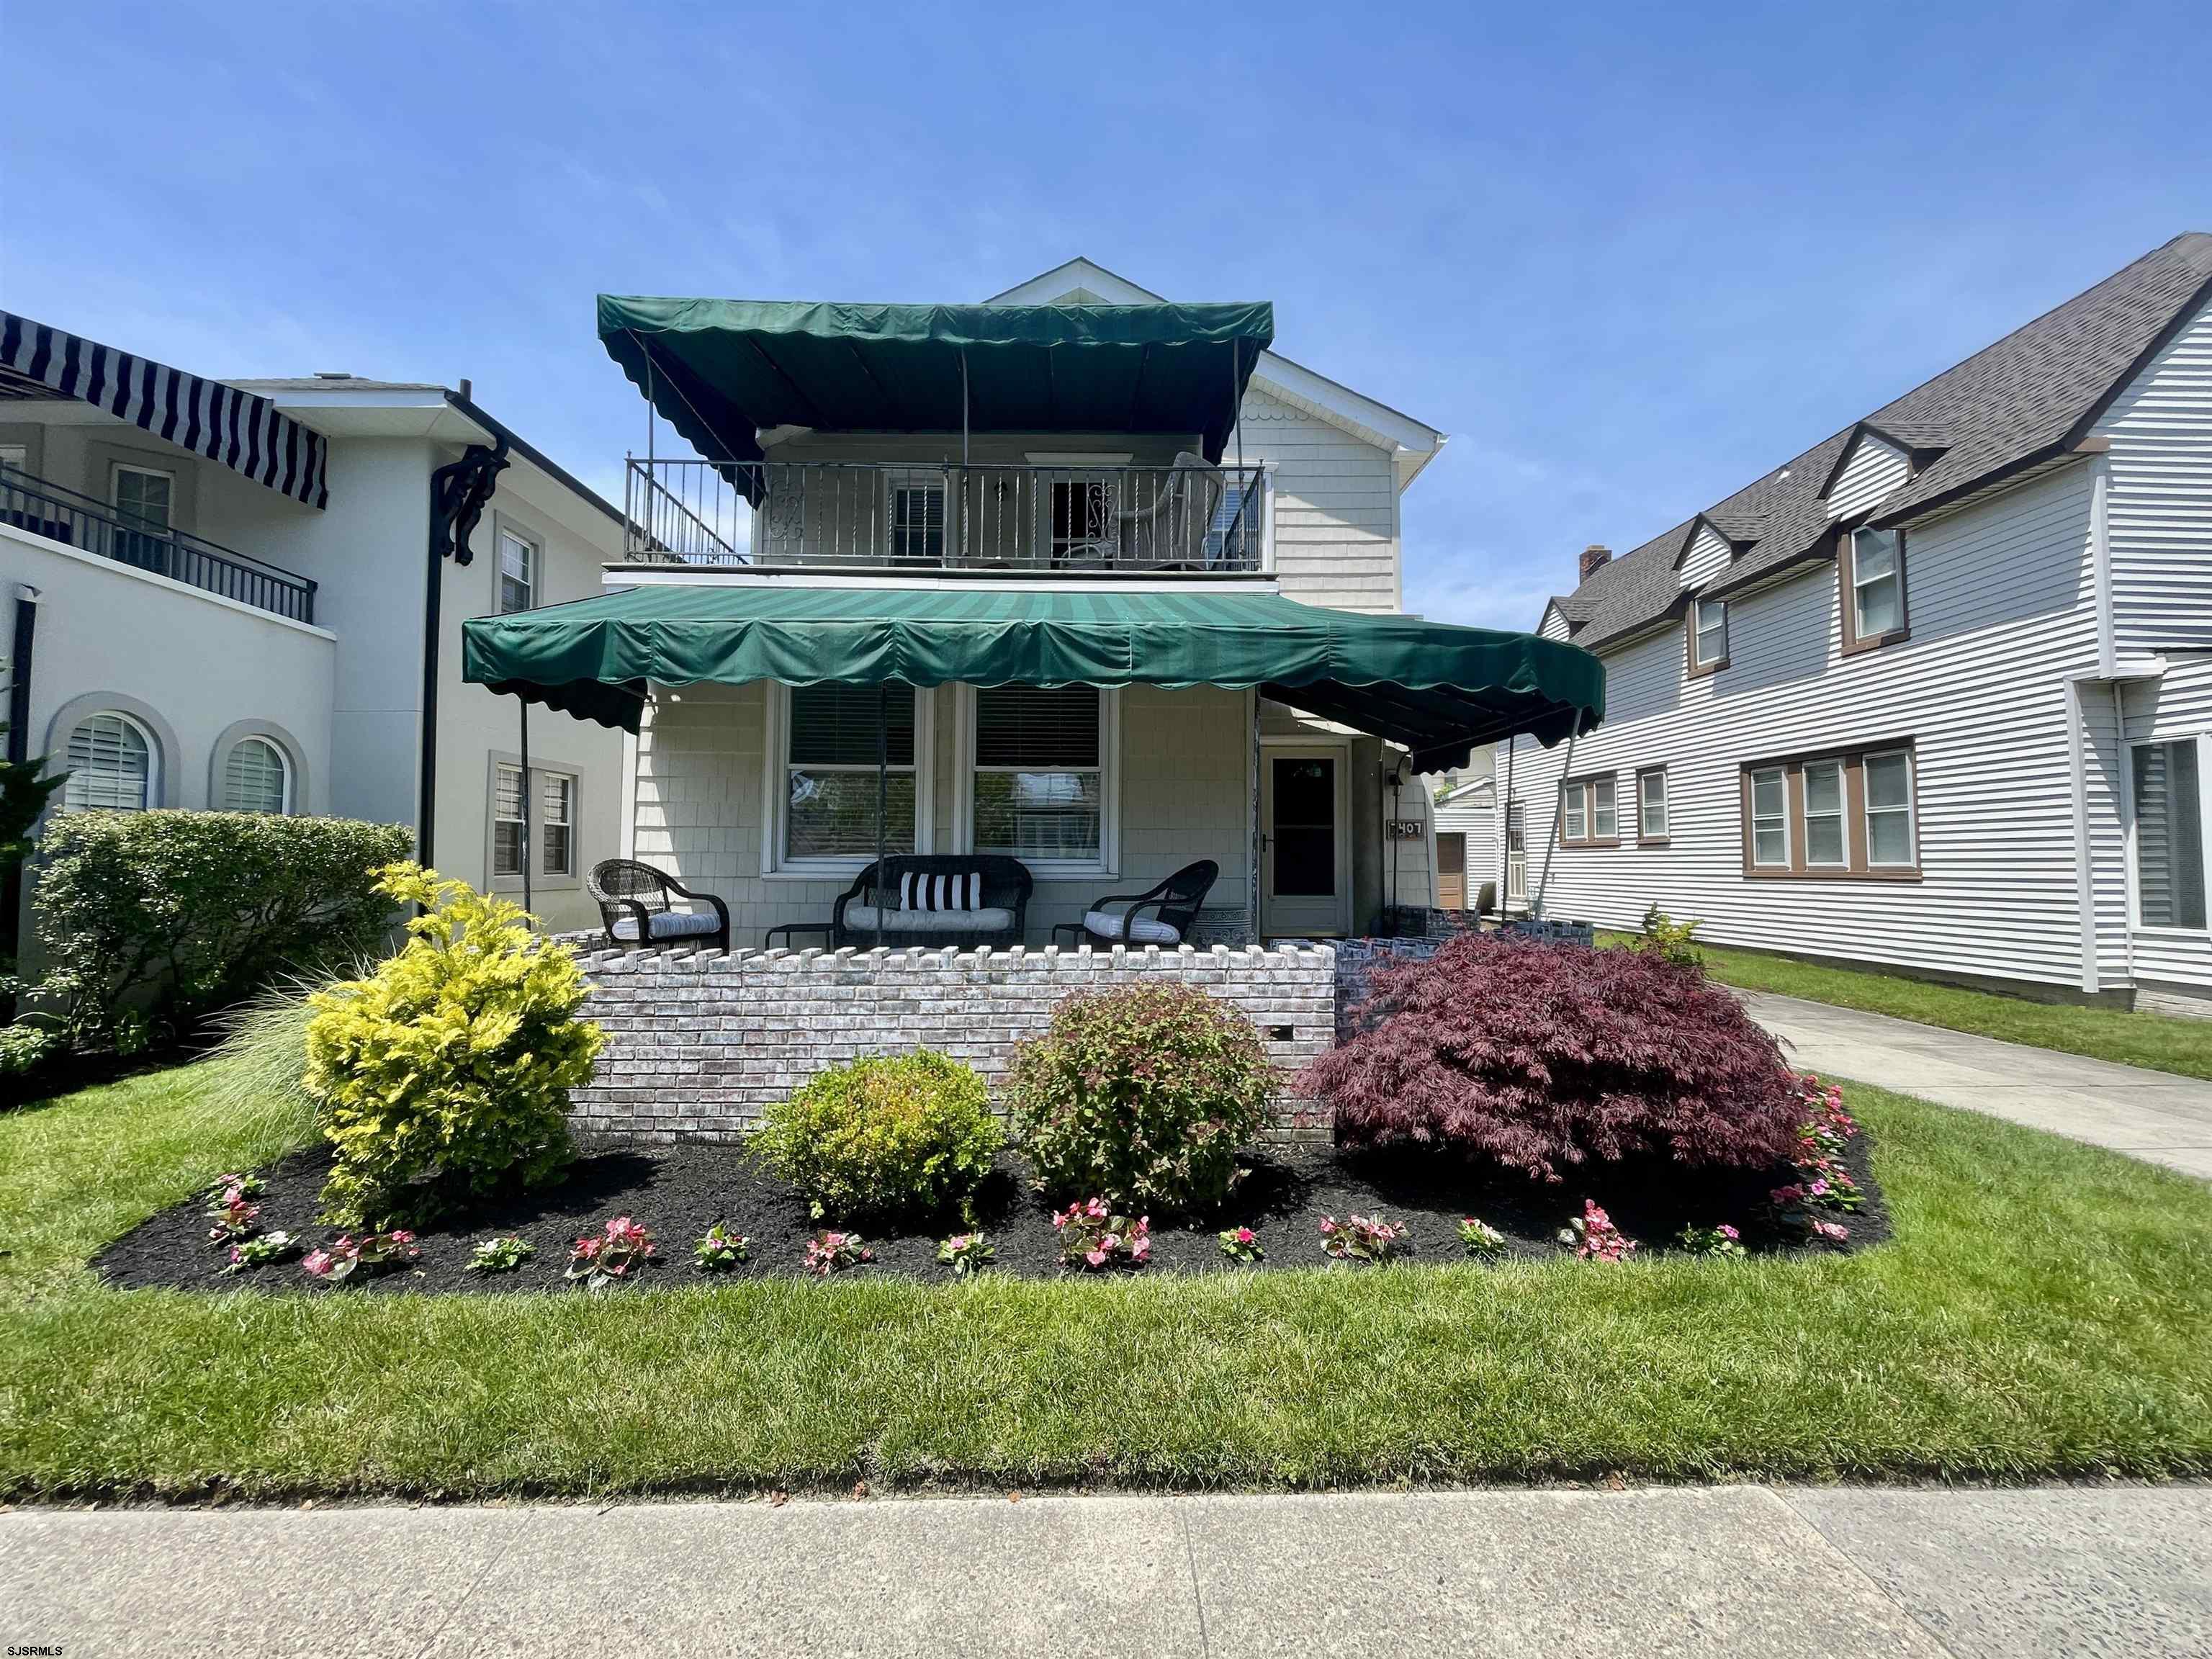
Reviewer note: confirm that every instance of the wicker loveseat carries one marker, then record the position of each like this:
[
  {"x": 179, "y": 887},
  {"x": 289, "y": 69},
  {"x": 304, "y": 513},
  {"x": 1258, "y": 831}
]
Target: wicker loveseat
[{"x": 1001, "y": 888}]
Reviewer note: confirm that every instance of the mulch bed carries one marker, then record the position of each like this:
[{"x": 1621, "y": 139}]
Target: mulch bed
[{"x": 677, "y": 1191}]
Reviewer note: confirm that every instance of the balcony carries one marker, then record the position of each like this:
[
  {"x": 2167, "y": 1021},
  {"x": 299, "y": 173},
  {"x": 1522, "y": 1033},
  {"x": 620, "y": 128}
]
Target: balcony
[
  {"x": 1189, "y": 517},
  {"x": 91, "y": 526}
]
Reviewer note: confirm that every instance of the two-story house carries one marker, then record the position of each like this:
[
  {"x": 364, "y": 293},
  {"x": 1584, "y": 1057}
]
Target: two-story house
[
  {"x": 1936, "y": 694},
  {"x": 1076, "y": 577},
  {"x": 248, "y": 595}
]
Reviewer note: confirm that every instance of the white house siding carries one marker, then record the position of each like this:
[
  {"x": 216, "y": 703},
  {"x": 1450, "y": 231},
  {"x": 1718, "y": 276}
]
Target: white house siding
[
  {"x": 2161, "y": 503},
  {"x": 699, "y": 809},
  {"x": 1555, "y": 626},
  {"x": 1475, "y": 816},
  {"x": 1707, "y": 556},
  {"x": 2105, "y": 811},
  {"x": 1334, "y": 503},
  {"x": 2001, "y": 617},
  {"x": 1874, "y": 470},
  {"x": 2173, "y": 963},
  {"x": 197, "y": 671}
]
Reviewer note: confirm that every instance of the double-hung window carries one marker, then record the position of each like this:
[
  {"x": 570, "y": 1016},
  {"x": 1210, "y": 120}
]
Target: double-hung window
[
  {"x": 1652, "y": 804},
  {"x": 1709, "y": 640},
  {"x": 1770, "y": 818},
  {"x": 1589, "y": 812},
  {"x": 2169, "y": 814},
  {"x": 519, "y": 559},
  {"x": 1890, "y": 839},
  {"x": 1039, "y": 786},
  {"x": 1826, "y": 838},
  {"x": 548, "y": 832},
  {"x": 1874, "y": 588},
  {"x": 829, "y": 782},
  {"x": 1850, "y": 815},
  {"x": 145, "y": 501}
]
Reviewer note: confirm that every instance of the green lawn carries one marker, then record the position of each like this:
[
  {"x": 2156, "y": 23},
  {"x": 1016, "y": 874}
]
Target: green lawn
[
  {"x": 2046, "y": 1309},
  {"x": 2157, "y": 1041}
]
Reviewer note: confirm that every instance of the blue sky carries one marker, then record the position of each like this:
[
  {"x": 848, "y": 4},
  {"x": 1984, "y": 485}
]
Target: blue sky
[{"x": 1629, "y": 256}]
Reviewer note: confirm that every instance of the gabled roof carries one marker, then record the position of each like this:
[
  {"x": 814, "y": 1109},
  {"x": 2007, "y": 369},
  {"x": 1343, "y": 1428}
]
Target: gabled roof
[
  {"x": 2020, "y": 404},
  {"x": 1919, "y": 453},
  {"x": 1414, "y": 443}
]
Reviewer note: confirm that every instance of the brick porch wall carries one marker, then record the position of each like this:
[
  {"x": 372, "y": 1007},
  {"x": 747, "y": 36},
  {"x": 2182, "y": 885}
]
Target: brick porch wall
[{"x": 700, "y": 1042}]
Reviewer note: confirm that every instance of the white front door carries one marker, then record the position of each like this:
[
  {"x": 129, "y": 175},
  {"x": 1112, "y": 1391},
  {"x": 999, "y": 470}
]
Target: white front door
[
  {"x": 1517, "y": 857},
  {"x": 1305, "y": 863}
]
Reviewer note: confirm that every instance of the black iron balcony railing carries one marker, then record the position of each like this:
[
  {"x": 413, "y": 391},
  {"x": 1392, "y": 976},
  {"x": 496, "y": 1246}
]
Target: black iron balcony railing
[
  {"x": 91, "y": 526},
  {"x": 876, "y": 515}
]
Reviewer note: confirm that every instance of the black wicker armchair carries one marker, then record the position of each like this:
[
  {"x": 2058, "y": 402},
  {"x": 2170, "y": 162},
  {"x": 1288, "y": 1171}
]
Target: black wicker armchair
[
  {"x": 1173, "y": 907},
  {"x": 1001, "y": 892},
  {"x": 633, "y": 906}
]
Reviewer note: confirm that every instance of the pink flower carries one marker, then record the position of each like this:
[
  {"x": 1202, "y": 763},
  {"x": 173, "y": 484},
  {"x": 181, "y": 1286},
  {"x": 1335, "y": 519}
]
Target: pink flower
[
  {"x": 1728, "y": 1232},
  {"x": 1096, "y": 1258},
  {"x": 1243, "y": 1235},
  {"x": 317, "y": 1263}
]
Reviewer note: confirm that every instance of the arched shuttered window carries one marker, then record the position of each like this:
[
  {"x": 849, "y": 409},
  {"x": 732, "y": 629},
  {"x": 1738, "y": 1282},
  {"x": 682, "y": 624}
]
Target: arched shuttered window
[
  {"x": 256, "y": 778},
  {"x": 110, "y": 765}
]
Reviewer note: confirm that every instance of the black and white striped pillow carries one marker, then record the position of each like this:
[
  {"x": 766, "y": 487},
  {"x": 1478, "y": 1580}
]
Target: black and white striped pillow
[{"x": 921, "y": 892}]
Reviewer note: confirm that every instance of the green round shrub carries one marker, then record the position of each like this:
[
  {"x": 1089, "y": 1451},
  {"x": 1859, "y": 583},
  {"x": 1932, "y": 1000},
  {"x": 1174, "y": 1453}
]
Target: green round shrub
[
  {"x": 904, "y": 1134},
  {"x": 1142, "y": 1097}
]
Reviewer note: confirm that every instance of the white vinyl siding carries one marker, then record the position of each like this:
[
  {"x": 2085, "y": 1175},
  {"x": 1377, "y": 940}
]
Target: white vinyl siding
[
  {"x": 2002, "y": 619},
  {"x": 1705, "y": 558},
  {"x": 1555, "y": 626},
  {"x": 2161, "y": 503},
  {"x": 256, "y": 778},
  {"x": 113, "y": 766},
  {"x": 1874, "y": 470}
]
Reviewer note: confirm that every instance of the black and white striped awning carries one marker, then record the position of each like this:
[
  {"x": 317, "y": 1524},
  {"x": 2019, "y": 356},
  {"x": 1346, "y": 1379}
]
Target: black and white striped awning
[{"x": 243, "y": 431}]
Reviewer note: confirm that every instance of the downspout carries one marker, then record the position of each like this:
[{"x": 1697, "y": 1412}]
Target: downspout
[
  {"x": 19, "y": 753},
  {"x": 458, "y": 492}
]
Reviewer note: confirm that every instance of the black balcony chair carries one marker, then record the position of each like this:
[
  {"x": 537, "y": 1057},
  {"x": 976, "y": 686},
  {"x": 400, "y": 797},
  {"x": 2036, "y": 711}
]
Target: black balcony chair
[
  {"x": 634, "y": 908},
  {"x": 1173, "y": 905}
]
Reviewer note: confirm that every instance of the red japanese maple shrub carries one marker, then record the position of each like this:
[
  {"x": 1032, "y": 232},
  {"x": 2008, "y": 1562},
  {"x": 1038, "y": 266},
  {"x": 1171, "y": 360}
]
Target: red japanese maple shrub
[{"x": 1537, "y": 1055}]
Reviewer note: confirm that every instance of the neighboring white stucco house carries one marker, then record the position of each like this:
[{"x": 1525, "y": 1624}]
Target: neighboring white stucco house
[
  {"x": 1316, "y": 470},
  {"x": 204, "y": 632},
  {"x": 1937, "y": 693}
]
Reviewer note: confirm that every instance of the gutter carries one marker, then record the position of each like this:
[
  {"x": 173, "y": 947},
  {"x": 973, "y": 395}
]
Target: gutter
[{"x": 514, "y": 443}]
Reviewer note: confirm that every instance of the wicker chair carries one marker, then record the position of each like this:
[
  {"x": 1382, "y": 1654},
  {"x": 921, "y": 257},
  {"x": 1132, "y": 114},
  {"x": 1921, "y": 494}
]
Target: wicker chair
[
  {"x": 998, "y": 921},
  {"x": 633, "y": 906},
  {"x": 1174, "y": 905}
]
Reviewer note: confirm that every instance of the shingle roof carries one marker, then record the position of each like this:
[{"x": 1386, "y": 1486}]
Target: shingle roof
[{"x": 2009, "y": 406}]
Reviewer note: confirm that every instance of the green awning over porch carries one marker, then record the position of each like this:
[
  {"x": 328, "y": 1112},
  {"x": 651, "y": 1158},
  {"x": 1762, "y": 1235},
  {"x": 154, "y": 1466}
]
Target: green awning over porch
[
  {"x": 718, "y": 369},
  {"x": 1440, "y": 690}
]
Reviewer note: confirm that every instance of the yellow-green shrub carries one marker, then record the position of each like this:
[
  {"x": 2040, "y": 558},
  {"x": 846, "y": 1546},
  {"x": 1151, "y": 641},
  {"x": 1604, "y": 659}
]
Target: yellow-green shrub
[
  {"x": 909, "y": 1135},
  {"x": 449, "y": 1067}
]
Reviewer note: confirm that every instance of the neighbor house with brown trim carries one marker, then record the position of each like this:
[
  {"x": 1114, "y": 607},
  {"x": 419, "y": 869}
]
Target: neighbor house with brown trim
[{"x": 1936, "y": 694}]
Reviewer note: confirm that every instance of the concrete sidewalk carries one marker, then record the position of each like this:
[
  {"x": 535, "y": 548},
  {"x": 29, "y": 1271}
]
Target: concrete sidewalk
[
  {"x": 2157, "y": 1115},
  {"x": 1745, "y": 1571}
]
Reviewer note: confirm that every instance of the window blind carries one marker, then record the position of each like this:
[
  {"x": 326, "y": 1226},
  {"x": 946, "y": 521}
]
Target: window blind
[
  {"x": 253, "y": 777},
  {"x": 1037, "y": 726},
  {"x": 110, "y": 769},
  {"x": 836, "y": 725}
]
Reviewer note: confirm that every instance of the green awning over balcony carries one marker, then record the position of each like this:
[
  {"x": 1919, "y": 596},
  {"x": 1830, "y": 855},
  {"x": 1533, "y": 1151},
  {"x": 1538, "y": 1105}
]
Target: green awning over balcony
[
  {"x": 718, "y": 369},
  {"x": 1438, "y": 689}
]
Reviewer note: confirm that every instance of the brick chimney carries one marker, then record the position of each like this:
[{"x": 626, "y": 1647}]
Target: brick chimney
[{"x": 1593, "y": 557}]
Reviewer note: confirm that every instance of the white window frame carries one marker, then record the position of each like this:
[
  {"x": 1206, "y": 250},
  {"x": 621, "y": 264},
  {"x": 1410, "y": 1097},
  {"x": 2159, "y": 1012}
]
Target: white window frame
[
  {"x": 1895, "y": 574},
  {"x": 1574, "y": 813},
  {"x": 1643, "y": 829},
  {"x": 2202, "y": 739},
  {"x": 167, "y": 475},
  {"x": 1698, "y": 656},
  {"x": 1605, "y": 789},
  {"x": 775, "y": 792},
  {"x": 504, "y": 531},
  {"x": 1842, "y": 814},
  {"x": 1109, "y": 861},
  {"x": 936, "y": 481},
  {"x": 288, "y": 768},
  {"x": 154, "y": 759},
  {"x": 1911, "y": 809},
  {"x": 1782, "y": 774},
  {"x": 533, "y": 808},
  {"x": 538, "y": 840}
]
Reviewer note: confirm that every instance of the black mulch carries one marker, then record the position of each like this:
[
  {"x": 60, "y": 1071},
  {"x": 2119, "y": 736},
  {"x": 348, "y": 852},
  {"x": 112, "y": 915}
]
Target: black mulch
[{"x": 677, "y": 1191}]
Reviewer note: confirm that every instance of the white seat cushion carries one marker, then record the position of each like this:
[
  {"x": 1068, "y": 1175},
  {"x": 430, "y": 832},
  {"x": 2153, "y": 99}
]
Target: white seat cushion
[
  {"x": 668, "y": 924},
  {"x": 861, "y": 919},
  {"x": 1146, "y": 930}
]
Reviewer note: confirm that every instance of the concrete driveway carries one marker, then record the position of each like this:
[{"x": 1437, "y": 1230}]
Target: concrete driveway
[
  {"x": 1743, "y": 1570},
  {"x": 2156, "y": 1115}
]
